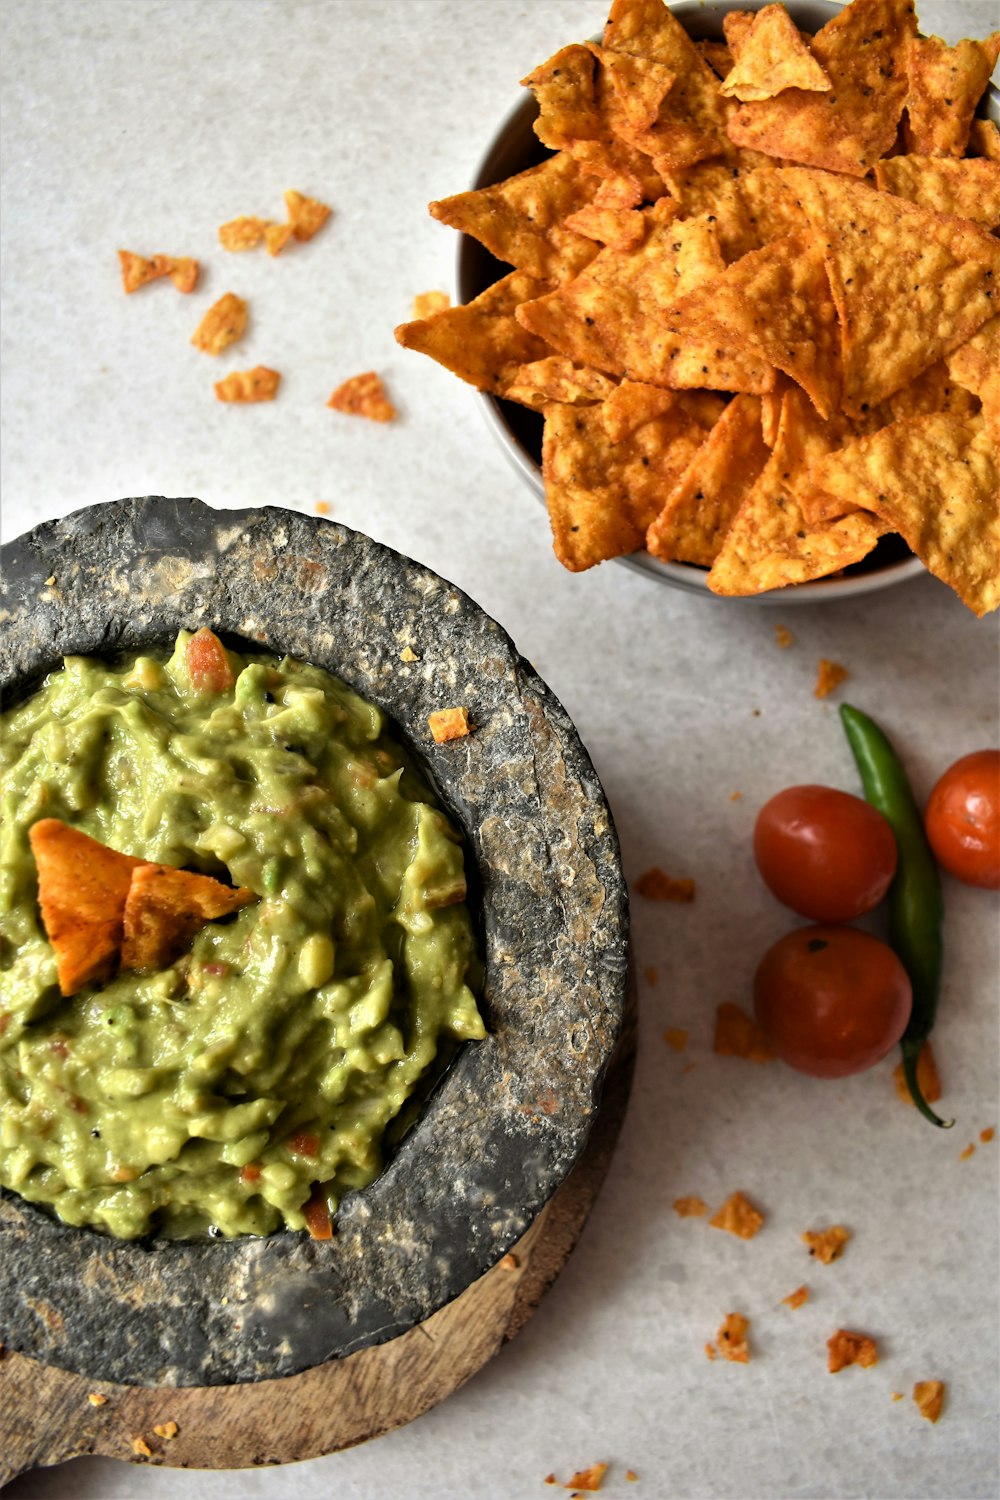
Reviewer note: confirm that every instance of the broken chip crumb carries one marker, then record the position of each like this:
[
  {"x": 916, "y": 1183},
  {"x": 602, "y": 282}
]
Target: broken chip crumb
[
  {"x": 710, "y": 1350},
  {"x": 738, "y": 1035},
  {"x": 323, "y": 507},
  {"x": 141, "y": 1447},
  {"x": 676, "y": 1038},
  {"x": 735, "y": 796},
  {"x": 845, "y": 1348},
  {"x": 449, "y": 724},
  {"x": 987, "y": 1135},
  {"x": 243, "y": 233},
  {"x": 631, "y": 1476},
  {"x": 829, "y": 676},
  {"x": 587, "y": 1479},
  {"x": 50, "y": 580},
  {"x": 690, "y": 1207},
  {"x": 731, "y": 1339},
  {"x": 796, "y": 1298},
  {"x": 969, "y": 1151},
  {"x": 827, "y": 1244},
  {"x": 166, "y": 1430},
  {"x": 897, "y": 1396},
  {"x": 783, "y": 636},
  {"x": 426, "y": 304},
  {"x": 258, "y": 384},
  {"x": 138, "y": 270},
  {"x": 363, "y": 396},
  {"x": 222, "y": 325},
  {"x": 408, "y": 654},
  {"x": 551, "y": 1479},
  {"x": 276, "y": 237},
  {"x": 655, "y": 885},
  {"x": 929, "y": 1396},
  {"x": 928, "y": 1078},
  {"x": 738, "y": 1216},
  {"x": 96, "y": 1398},
  {"x": 305, "y": 215},
  {"x": 509, "y": 1262}
]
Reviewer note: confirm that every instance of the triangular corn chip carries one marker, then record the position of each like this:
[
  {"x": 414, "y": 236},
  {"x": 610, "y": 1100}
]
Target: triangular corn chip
[
  {"x": 943, "y": 88},
  {"x": 976, "y": 364},
  {"x": 968, "y": 187},
  {"x": 910, "y": 285},
  {"x": 935, "y": 480},
  {"x": 934, "y": 389},
  {"x": 646, "y": 28},
  {"x": 848, "y": 129},
  {"x": 82, "y": 890},
  {"x": 703, "y": 502},
  {"x": 567, "y": 98},
  {"x": 558, "y": 379},
  {"x": 164, "y": 909},
  {"x": 771, "y": 57},
  {"x": 984, "y": 139},
  {"x": 481, "y": 342}
]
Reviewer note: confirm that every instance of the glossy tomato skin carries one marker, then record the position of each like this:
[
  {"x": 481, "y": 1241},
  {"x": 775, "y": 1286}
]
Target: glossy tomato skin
[
  {"x": 832, "y": 1000},
  {"x": 826, "y": 854},
  {"x": 963, "y": 819}
]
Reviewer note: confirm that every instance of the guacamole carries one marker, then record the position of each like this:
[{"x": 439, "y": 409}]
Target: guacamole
[{"x": 248, "y": 1085}]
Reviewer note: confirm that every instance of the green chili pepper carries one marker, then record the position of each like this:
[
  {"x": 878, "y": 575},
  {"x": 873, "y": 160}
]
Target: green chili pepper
[{"x": 915, "y": 906}]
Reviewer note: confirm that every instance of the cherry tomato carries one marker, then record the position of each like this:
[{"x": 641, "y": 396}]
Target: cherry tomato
[
  {"x": 824, "y": 853},
  {"x": 963, "y": 819},
  {"x": 831, "y": 1000},
  {"x": 207, "y": 663}
]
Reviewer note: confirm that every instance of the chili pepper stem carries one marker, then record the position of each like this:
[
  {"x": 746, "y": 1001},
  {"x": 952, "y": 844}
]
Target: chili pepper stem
[{"x": 911, "y": 1048}]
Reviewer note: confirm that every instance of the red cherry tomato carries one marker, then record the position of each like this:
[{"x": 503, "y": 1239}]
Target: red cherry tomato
[
  {"x": 207, "y": 663},
  {"x": 824, "y": 853},
  {"x": 963, "y": 819},
  {"x": 831, "y": 1000}
]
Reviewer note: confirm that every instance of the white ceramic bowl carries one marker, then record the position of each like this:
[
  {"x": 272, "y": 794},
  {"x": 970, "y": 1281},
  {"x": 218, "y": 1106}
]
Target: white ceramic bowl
[{"x": 515, "y": 147}]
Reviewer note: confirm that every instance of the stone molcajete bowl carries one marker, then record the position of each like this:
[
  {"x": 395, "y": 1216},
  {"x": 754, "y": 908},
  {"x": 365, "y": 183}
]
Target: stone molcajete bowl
[{"x": 512, "y": 1114}]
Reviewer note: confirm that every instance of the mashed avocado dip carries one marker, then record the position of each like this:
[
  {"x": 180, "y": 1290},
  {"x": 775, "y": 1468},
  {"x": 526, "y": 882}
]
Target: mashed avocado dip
[{"x": 275, "y": 1052}]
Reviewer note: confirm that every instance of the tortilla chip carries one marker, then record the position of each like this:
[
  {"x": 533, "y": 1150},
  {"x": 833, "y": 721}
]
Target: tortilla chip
[
  {"x": 933, "y": 390},
  {"x": 655, "y": 885},
  {"x": 738, "y": 1216},
  {"x": 449, "y": 724},
  {"x": 929, "y": 1396},
  {"x": 829, "y": 676},
  {"x": 522, "y": 220},
  {"x": 737, "y": 26},
  {"x": 974, "y": 364},
  {"x": 258, "y": 384},
  {"x": 634, "y": 90},
  {"x": 276, "y": 237},
  {"x": 770, "y": 543},
  {"x": 690, "y": 1207},
  {"x": 482, "y": 342},
  {"x": 587, "y": 1479},
  {"x": 622, "y": 229},
  {"x": 795, "y": 1299},
  {"x": 306, "y": 215},
  {"x": 694, "y": 108},
  {"x": 602, "y": 494},
  {"x": 827, "y": 1244},
  {"x": 910, "y": 285},
  {"x": 775, "y": 305},
  {"x": 849, "y": 128},
  {"x": 717, "y": 55},
  {"x": 363, "y": 396},
  {"x": 558, "y": 379},
  {"x": 984, "y": 139},
  {"x": 567, "y": 98},
  {"x": 243, "y": 233},
  {"x": 138, "y": 270},
  {"x": 164, "y": 909},
  {"x": 935, "y": 480},
  {"x": 771, "y": 57},
  {"x": 700, "y": 508},
  {"x": 739, "y": 1035},
  {"x": 632, "y": 404},
  {"x": 713, "y": 188},
  {"x": 731, "y": 1339},
  {"x": 222, "y": 325},
  {"x": 426, "y": 304},
  {"x": 969, "y": 187},
  {"x": 845, "y": 1348},
  {"x": 82, "y": 890},
  {"x": 183, "y": 272},
  {"x": 944, "y": 87},
  {"x": 928, "y": 1078}
]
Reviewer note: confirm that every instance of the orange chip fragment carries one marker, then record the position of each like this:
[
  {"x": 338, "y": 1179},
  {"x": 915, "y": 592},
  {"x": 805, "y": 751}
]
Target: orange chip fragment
[
  {"x": 242, "y": 386},
  {"x": 827, "y": 1244},
  {"x": 222, "y": 325},
  {"x": 928, "y": 1078},
  {"x": 783, "y": 636},
  {"x": 141, "y": 1448},
  {"x": 243, "y": 233},
  {"x": 944, "y": 85},
  {"x": 276, "y": 237},
  {"x": 795, "y": 1299},
  {"x": 164, "y": 909},
  {"x": 137, "y": 270},
  {"x": 587, "y": 1479},
  {"x": 82, "y": 892},
  {"x": 481, "y": 342},
  {"x": 929, "y": 1396},
  {"x": 829, "y": 676},
  {"x": 449, "y": 724},
  {"x": 738, "y": 1216},
  {"x": 986, "y": 1135},
  {"x": 691, "y": 1207},
  {"x": 305, "y": 215},
  {"x": 738, "y": 1035},
  {"x": 657, "y": 886},
  {"x": 676, "y": 1038},
  {"x": 425, "y": 304},
  {"x": 363, "y": 396},
  {"x": 166, "y": 1430},
  {"x": 771, "y": 56},
  {"x": 731, "y": 1339},
  {"x": 845, "y": 1348},
  {"x": 969, "y": 1150}
]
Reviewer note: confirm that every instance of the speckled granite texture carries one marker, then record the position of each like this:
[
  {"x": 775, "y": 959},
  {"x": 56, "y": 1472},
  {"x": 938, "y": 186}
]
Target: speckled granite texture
[{"x": 512, "y": 1114}]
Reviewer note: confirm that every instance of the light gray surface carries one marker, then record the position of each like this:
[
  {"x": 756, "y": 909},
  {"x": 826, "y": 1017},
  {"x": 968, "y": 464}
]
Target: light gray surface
[{"x": 148, "y": 125}]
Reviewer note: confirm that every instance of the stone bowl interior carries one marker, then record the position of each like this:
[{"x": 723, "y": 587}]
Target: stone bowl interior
[
  {"x": 511, "y": 1115},
  {"x": 513, "y": 148}
]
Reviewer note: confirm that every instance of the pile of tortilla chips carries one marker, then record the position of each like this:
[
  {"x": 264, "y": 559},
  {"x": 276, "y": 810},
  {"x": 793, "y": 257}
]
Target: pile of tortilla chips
[{"x": 755, "y": 295}]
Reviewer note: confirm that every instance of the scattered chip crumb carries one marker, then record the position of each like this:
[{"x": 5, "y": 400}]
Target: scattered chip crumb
[
  {"x": 929, "y": 1396},
  {"x": 676, "y": 1037},
  {"x": 928, "y": 1078},
  {"x": 897, "y": 1396},
  {"x": 426, "y": 304},
  {"x": 138, "y": 270},
  {"x": 738, "y": 1216},
  {"x": 97, "y": 1399},
  {"x": 691, "y": 1207},
  {"x": 845, "y": 1348},
  {"x": 363, "y": 396},
  {"x": 166, "y": 1430},
  {"x": 731, "y": 1339},
  {"x": 323, "y": 507},
  {"x": 987, "y": 1135},
  {"x": 141, "y": 1447},
  {"x": 735, "y": 796},
  {"x": 738, "y": 1035},
  {"x": 551, "y": 1479},
  {"x": 408, "y": 654},
  {"x": 50, "y": 580},
  {"x": 258, "y": 384},
  {"x": 830, "y": 675},
  {"x": 222, "y": 325},
  {"x": 305, "y": 215},
  {"x": 827, "y": 1244},
  {"x": 655, "y": 885},
  {"x": 710, "y": 1350},
  {"x": 509, "y": 1262},
  {"x": 587, "y": 1479},
  {"x": 631, "y": 1476},
  {"x": 449, "y": 724},
  {"x": 783, "y": 636},
  {"x": 795, "y": 1299},
  {"x": 969, "y": 1151}
]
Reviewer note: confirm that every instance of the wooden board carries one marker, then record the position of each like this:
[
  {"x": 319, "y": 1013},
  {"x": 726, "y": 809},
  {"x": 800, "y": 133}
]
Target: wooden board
[{"x": 46, "y": 1416}]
